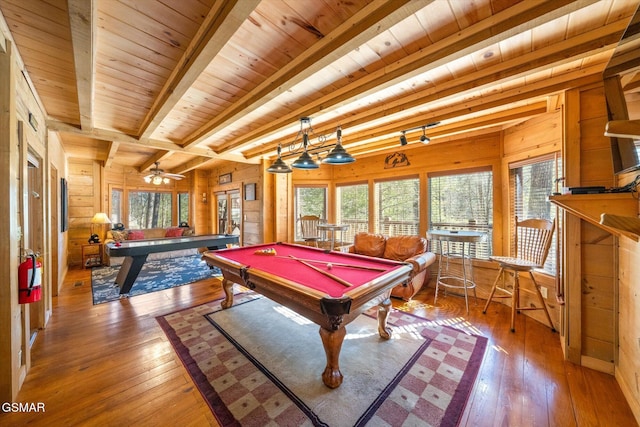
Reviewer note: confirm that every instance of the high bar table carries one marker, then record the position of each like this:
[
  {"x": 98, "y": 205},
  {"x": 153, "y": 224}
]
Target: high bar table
[{"x": 448, "y": 275}]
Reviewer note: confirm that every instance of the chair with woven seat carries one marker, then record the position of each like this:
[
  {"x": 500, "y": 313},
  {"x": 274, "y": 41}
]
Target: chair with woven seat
[
  {"x": 309, "y": 229},
  {"x": 532, "y": 243}
]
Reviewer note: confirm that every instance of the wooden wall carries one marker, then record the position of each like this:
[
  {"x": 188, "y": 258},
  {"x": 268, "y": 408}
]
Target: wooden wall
[
  {"x": 628, "y": 361},
  {"x": 26, "y": 216},
  {"x": 84, "y": 201},
  {"x": 253, "y": 211}
]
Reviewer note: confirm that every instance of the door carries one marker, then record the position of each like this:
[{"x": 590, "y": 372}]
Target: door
[{"x": 229, "y": 213}]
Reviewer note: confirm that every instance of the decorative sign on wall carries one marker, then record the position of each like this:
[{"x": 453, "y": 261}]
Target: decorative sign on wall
[
  {"x": 396, "y": 160},
  {"x": 224, "y": 179},
  {"x": 250, "y": 192}
]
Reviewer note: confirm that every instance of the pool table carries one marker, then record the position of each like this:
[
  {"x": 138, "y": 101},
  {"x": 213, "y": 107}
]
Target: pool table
[
  {"x": 300, "y": 278},
  {"x": 137, "y": 251}
]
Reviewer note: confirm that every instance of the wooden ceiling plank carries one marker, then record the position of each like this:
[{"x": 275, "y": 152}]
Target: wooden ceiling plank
[
  {"x": 378, "y": 16},
  {"x": 479, "y": 104},
  {"x": 521, "y": 17},
  {"x": 218, "y": 27},
  {"x": 82, "y": 16}
]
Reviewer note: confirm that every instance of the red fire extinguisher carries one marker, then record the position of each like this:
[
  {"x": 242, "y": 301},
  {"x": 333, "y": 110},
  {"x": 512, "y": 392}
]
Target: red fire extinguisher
[{"x": 30, "y": 280}]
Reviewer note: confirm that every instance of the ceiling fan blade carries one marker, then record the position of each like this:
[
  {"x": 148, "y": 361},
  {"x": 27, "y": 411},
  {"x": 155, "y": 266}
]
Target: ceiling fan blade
[{"x": 173, "y": 175}]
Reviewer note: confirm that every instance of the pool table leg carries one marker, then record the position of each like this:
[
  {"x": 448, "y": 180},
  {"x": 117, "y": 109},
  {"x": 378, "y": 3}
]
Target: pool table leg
[
  {"x": 332, "y": 343},
  {"x": 383, "y": 314},
  {"x": 227, "y": 286}
]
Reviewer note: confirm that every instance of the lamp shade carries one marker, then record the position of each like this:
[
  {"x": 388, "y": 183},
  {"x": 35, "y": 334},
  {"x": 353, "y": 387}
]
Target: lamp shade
[
  {"x": 338, "y": 156},
  {"x": 305, "y": 161},
  {"x": 100, "y": 218},
  {"x": 279, "y": 166}
]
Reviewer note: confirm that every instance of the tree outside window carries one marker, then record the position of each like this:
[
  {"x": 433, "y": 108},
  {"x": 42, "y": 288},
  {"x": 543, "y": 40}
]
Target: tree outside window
[
  {"x": 531, "y": 184},
  {"x": 183, "y": 207},
  {"x": 149, "y": 209},
  {"x": 463, "y": 201},
  {"x": 397, "y": 205},
  {"x": 309, "y": 201},
  {"x": 353, "y": 209}
]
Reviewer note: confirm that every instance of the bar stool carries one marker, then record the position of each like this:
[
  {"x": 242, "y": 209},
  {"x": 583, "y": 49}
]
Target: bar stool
[{"x": 451, "y": 272}]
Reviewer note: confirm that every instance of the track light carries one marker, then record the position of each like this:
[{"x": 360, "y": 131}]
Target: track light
[
  {"x": 403, "y": 139},
  {"x": 423, "y": 138}
]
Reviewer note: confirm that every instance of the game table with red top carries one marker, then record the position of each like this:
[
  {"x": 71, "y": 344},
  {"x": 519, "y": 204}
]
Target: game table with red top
[{"x": 300, "y": 278}]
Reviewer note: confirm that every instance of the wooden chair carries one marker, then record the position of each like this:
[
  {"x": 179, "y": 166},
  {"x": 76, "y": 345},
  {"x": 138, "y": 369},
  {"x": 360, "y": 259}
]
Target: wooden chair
[
  {"x": 532, "y": 243},
  {"x": 309, "y": 229}
]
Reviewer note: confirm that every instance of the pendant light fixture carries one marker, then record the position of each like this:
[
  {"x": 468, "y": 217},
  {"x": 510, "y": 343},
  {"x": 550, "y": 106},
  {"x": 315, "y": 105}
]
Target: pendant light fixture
[{"x": 337, "y": 155}]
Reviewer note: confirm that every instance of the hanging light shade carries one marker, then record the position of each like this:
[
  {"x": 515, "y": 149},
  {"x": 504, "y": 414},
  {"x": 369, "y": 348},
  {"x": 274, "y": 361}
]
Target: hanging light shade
[
  {"x": 338, "y": 155},
  {"x": 279, "y": 166},
  {"x": 305, "y": 161}
]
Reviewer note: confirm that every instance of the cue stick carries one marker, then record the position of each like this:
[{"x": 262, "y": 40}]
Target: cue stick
[
  {"x": 326, "y": 273},
  {"x": 335, "y": 264}
]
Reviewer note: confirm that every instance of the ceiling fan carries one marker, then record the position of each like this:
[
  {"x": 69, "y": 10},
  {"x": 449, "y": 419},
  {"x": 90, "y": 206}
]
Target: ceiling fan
[{"x": 157, "y": 176}]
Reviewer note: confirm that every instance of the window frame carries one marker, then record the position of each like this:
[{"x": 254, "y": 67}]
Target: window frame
[
  {"x": 355, "y": 224},
  {"x": 296, "y": 206},
  {"x": 376, "y": 203},
  {"x": 481, "y": 250},
  {"x": 553, "y": 263}
]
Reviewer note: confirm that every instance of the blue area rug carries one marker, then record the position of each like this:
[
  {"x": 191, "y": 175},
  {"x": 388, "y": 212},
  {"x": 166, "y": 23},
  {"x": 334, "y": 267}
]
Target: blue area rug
[{"x": 155, "y": 276}]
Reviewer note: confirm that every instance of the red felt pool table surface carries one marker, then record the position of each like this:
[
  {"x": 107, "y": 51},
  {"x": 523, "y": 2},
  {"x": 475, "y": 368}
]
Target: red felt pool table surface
[
  {"x": 328, "y": 301},
  {"x": 286, "y": 268}
]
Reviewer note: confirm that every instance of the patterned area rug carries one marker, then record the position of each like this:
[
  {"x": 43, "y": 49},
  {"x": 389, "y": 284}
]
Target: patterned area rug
[
  {"x": 259, "y": 363},
  {"x": 155, "y": 276}
]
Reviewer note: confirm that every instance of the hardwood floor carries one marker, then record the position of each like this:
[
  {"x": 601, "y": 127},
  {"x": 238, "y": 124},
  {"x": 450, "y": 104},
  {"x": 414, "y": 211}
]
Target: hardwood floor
[{"x": 111, "y": 364}]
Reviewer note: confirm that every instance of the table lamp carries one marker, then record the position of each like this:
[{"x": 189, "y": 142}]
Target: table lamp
[{"x": 98, "y": 220}]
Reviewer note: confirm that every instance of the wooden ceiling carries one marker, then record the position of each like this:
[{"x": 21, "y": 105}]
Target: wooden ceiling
[{"x": 191, "y": 83}]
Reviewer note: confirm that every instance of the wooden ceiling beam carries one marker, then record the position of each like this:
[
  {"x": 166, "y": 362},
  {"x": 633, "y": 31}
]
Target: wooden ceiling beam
[
  {"x": 161, "y": 154},
  {"x": 192, "y": 164},
  {"x": 111, "y": 153},
  {"x": 537, "y": 89},
  {"x": 82, "y": 17},
  {"x": 219, "y": 25},
  {"x": 514, "y": 20},
  {"x": 376, "y": 17},
  {"x": 579, "y": 47}
]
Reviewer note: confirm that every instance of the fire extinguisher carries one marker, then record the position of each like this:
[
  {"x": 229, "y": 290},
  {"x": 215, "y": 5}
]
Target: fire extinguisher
[{"x": 30, "y": 280}]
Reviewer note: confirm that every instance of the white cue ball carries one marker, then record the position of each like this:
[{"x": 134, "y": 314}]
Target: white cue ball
[{"x": 329, "y": 266}]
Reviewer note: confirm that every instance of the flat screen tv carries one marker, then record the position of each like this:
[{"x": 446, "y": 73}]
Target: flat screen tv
[{"x": 623, "y": 95}]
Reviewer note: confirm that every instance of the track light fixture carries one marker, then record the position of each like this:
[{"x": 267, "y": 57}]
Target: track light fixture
[
  {"x": 423, "y": 138},
  {"x": 337, "y": 154},
  {"x": 403, "y": 139}
]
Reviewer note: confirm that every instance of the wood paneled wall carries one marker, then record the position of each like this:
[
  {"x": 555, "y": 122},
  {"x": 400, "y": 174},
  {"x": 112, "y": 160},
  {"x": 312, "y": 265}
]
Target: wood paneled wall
[
  {"x": 252, "y": 210},
  {"x": 84, "y": 201}
]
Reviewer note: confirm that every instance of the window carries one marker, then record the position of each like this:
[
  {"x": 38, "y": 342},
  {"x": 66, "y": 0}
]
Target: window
[
  {"x": 309, "y": 201},
  {"x": 149, "y": 209},
  {"x": 183, "y": 207},
  {"x": 353, "y": 208},
  {"x": 531, "y": 184},
  {"x": 397, "y": 206},
  {"x": 116, "y": 206},
  {"x": 463, "y": 201}
]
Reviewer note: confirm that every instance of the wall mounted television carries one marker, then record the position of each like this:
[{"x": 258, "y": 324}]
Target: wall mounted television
[{"x": 622, "y": 92}]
